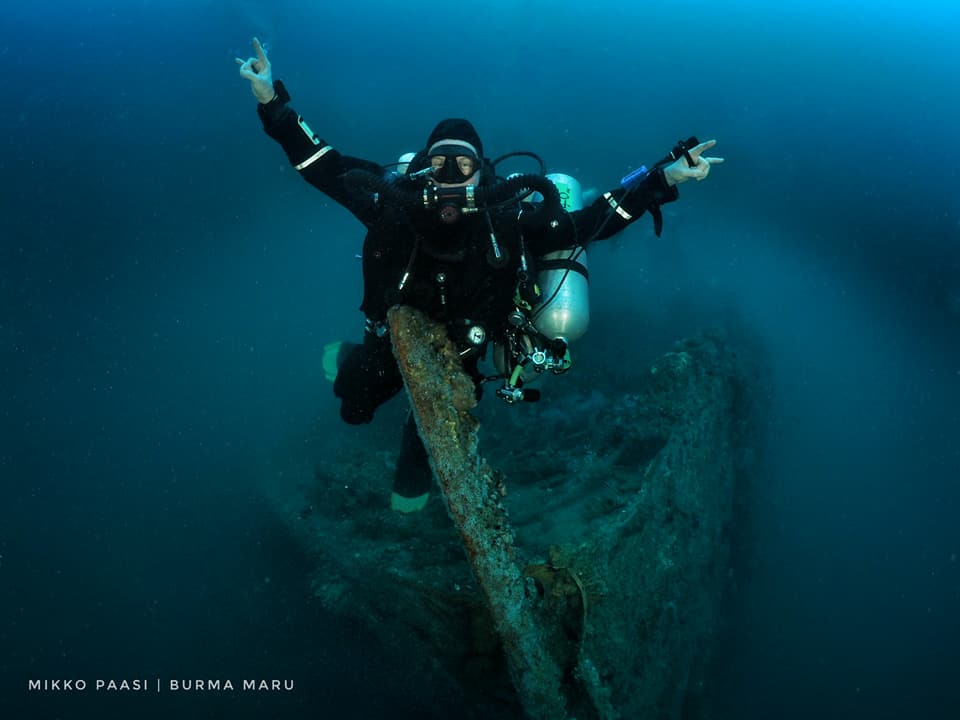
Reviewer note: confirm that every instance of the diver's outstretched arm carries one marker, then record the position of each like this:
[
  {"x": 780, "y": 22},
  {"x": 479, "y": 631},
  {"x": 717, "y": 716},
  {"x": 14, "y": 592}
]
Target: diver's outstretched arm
[{"x": 318, "y": 162}]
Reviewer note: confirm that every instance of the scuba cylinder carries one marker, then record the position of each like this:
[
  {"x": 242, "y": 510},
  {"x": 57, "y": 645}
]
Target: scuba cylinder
[
  {"x": 564, "y": 311},
  {"x": 403, "y": 162},
  {"x": 541, "y": 334}
]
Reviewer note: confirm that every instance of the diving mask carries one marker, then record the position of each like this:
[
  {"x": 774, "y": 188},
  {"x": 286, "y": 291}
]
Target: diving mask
[{"x": 453, "y": 161}]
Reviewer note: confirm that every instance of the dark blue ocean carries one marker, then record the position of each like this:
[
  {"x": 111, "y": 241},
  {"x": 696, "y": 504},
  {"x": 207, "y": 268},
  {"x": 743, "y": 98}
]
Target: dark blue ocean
[{"x": 167, "y": 285}]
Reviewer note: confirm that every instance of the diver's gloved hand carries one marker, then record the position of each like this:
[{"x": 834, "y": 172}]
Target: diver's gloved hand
[
  {"x": 257, "y": 70},
  {"x": 681, "y": 171}
]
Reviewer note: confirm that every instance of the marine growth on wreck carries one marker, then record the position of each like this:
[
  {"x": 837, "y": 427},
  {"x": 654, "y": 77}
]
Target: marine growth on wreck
[{"x": 575, "y": 566}]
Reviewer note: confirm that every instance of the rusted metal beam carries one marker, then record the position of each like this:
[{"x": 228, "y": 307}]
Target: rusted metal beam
[{"x": 442, "y": 396}]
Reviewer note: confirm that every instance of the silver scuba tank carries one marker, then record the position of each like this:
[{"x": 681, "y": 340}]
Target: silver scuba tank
[
  {"x": 403, "y": 162},
  {"x": 564, "y": 311}
]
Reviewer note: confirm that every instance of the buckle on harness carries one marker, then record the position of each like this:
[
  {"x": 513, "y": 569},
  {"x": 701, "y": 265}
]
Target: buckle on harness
[{"x": 377, "y": 328}]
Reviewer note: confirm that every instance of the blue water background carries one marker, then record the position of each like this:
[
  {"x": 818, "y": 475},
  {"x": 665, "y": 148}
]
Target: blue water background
[{"x": 167, "y": 284}]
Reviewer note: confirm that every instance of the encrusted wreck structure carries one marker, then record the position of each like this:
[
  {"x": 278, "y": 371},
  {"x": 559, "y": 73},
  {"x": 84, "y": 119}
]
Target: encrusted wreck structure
[{"x": 571, "y": 567}]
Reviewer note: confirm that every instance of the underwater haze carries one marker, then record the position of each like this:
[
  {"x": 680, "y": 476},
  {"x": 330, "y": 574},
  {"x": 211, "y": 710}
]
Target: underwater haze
[{"x": 167, "y": 285}]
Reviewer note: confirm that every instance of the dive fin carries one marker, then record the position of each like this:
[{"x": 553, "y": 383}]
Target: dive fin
[
  {"x": 333, "y": 355},
  {"x": 402, "y": 504}
]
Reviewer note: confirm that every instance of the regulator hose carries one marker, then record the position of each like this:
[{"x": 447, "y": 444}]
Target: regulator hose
[{"x": 403, "y": 194}]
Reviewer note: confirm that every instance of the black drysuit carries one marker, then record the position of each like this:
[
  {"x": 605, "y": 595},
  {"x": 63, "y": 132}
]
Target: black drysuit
[{"x": 452, "y": 272}]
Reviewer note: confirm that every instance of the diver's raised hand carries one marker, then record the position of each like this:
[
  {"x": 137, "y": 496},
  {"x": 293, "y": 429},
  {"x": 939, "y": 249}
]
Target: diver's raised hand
[
  {"x": 680, "y": 170},
  {"x": 257, "y": 70}
]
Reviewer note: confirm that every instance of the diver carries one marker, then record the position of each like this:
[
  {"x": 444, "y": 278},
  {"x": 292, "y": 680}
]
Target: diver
[{"x": 448, "y": 236}]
